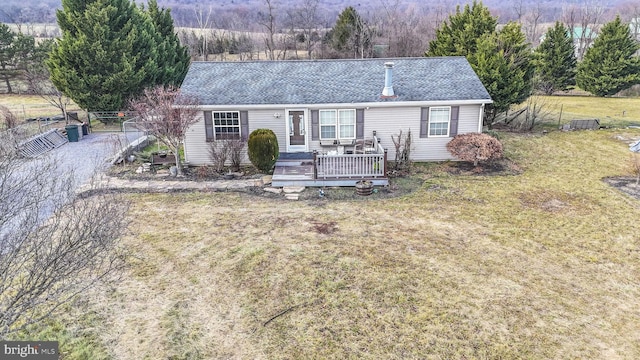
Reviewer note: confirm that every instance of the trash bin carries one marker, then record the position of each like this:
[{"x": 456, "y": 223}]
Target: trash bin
[
  {"x": 85, "y": 128},
  {"x": 72, "y": 132}
]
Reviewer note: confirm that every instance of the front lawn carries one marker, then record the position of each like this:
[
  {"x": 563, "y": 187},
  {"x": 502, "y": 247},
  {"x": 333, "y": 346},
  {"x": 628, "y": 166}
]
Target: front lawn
[{"x": 540, "y": 264}]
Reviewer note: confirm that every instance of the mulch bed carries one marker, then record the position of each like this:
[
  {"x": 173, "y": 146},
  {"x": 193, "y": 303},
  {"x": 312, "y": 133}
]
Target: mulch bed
[{"x": 496, "y": 168}]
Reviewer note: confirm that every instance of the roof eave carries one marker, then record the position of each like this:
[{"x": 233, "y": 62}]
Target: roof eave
[{"x": 348, "y": 105}]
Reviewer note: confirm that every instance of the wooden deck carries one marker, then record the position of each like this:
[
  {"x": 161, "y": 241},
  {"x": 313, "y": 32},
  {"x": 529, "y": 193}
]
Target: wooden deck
[{"x": 318, "y": 170}]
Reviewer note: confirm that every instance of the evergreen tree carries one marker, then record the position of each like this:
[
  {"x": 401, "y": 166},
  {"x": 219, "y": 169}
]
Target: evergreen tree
[
  {"x": 503, "y": 64},
  {"x": 107, "y": 53},
  {"x": 502, "y": 59},
  {"x": 7, "y": 72},
  {"x": 610, "y": 65},
  {"x": 17, "y": 53},
  {"x": 556, "y": 61},
  {"x": 173, "y": 58},
  {"x": 350, "y": 34},
  {"x": 459, "y": 36}
]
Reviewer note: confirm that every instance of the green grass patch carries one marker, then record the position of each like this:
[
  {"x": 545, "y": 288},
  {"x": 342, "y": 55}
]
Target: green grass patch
[{"x": 612, "y": 112}]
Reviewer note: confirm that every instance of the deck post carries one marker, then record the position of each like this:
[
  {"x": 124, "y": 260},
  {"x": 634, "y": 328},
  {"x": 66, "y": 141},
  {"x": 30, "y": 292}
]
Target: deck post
[
  {"x": 384, "y": 163},
  {"x": 315, "y": 164}
]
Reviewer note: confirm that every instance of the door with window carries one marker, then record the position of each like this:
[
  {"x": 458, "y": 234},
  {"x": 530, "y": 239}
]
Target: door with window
[{"x": 296, "y": 127}]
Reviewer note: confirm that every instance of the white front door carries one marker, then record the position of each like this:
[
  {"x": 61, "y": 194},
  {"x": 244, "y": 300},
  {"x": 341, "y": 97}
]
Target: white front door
[{"x": 297, "y": 131}]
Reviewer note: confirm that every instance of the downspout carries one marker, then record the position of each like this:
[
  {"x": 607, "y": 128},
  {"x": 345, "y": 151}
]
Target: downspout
[{"x": 480, "y": 118}]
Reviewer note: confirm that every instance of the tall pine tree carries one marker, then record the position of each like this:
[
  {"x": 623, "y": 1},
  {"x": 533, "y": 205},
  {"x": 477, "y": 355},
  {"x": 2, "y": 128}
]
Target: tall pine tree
[
  {"x": 502, "y": 59},
  {"x": 555, "y": 61},
  {"x": 107, "y": 53},
  {"x": 610, "y": 65},
  {"x": 173, "y": 58},
  {"x": 503, "y": 63},
  {"x": 459, "y": 36}
]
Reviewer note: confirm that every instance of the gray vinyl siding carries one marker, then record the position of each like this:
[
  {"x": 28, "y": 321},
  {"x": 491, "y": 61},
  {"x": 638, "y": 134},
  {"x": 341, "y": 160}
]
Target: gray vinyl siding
[
  {"x": 389, "y": 121},
  {"x": 197, "y": 147},
  {"x": 385, "y": 121}
]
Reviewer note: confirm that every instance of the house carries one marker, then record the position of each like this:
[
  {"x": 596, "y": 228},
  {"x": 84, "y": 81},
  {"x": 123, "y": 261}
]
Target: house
[{"x": 331, "y": 108}]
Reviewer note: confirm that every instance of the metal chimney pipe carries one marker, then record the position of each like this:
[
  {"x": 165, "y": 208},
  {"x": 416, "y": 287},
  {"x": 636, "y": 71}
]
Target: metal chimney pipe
[{"x": 388, "y": 79}]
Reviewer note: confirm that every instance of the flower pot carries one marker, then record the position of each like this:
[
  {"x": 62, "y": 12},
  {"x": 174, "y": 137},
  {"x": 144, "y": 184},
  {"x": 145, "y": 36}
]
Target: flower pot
[{"x": 364, "y": 187}]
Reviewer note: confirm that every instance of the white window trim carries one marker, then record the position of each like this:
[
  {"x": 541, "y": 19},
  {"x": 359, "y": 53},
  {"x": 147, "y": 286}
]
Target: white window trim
[
  {"x": 431, "y": 117},
  {"x": 336, "y": 124},
  {"x": 213, "y": 123}
]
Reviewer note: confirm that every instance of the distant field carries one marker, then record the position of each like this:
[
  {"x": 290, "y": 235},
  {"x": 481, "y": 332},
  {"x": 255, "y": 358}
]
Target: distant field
[{"x": 31, "y": 106}]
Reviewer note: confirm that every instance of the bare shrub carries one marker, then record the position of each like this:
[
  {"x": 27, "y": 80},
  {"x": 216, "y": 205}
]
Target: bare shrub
[
  {"x": 536, "y": 110},
  {"x": 475, "y": 147},
  {"x": 219, "y": 154},
  {"x": 8, "y": 118},
  {"x": 236, "y": 152},
  {"x": 403, "y": 150},
  {"x": 54, "y": 244}
]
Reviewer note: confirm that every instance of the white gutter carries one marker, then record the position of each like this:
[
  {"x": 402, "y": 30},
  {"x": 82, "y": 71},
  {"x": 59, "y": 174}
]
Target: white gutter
[{"x": 388, "y": 104}]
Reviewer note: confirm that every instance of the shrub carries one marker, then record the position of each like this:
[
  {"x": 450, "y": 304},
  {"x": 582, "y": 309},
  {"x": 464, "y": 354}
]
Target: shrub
[
  {"x": 263, "y": 149},
  {"x": 475, "y": 147},
  {"x": 219, "y": 153},
  {"x": 236, "y": 147}
]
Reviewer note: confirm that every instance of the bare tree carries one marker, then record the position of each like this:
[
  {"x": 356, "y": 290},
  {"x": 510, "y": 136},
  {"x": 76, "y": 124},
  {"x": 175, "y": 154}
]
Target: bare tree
[
  {"x": 204, "y": 23},
  {"x": 530, "y": 18},
  {"x": 401, "y": 29},
  {"x": 53, "y": 244},
  {"x": 167, "y": 115},
  {"x": 583, "y": 21},
  {"x": 268, "y": 21},
  {"x": 306, "y": 19},
  {"x": 37, "y": 77}
]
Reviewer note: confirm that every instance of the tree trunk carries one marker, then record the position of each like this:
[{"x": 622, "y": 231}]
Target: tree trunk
[{"x": 176, "y": 152}]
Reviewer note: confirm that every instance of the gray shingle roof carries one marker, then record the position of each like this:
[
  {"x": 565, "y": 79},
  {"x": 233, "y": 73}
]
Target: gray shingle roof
[{"x": 331, "y": 81}]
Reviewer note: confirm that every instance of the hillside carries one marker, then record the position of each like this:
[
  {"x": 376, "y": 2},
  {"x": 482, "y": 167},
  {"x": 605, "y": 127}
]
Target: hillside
[{"x": 29, "y": 11}]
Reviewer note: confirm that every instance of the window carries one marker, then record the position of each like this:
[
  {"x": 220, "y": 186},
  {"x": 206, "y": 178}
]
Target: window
[
  {"x": 226, "y": 125},
  {"x": 327, "y": 124},
  {"x": 347, "y": 121},
  {"x": 337, "y": 124},
  {"x": 439, "y": 118}
]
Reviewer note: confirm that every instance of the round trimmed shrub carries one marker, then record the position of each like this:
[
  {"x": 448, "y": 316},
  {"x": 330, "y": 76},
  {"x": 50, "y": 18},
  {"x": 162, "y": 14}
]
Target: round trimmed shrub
[
  {"x": 475, "y": 148},
  {"x": 263, "y": 149}
]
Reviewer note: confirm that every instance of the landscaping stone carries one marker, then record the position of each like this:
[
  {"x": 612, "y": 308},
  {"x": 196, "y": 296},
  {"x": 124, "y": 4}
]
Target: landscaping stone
[
  {"x": 266, "y": 180},
  {"x": 273, "y": 190},
  {"x": 293, "y": 189},
  {"x": 293, "y": 196}
]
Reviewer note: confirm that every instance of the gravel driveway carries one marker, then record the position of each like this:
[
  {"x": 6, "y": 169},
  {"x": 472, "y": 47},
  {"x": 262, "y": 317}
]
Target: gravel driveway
[{"x": 88, "y": 156}]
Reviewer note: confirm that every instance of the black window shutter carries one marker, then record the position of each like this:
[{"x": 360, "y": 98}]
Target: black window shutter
[
  {"x": 315, "y": 125},
  {"x": 453, "y": 127},
  {"x": 244, "y": 124},
  {"x": 424, "y": 123},
  {"x": 208, "y": 126},
  {"x": 359, "y": 123}
]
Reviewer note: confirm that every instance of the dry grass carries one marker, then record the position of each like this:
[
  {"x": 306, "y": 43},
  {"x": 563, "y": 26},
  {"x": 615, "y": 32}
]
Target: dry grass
[
  {"x": 610, "y": 111},
  {"x": 540, "y": 265},
  {"x": 30, "y": 106}
]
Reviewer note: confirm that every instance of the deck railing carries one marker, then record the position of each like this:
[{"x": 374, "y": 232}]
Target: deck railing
[{"x": 351, "y": 166}]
